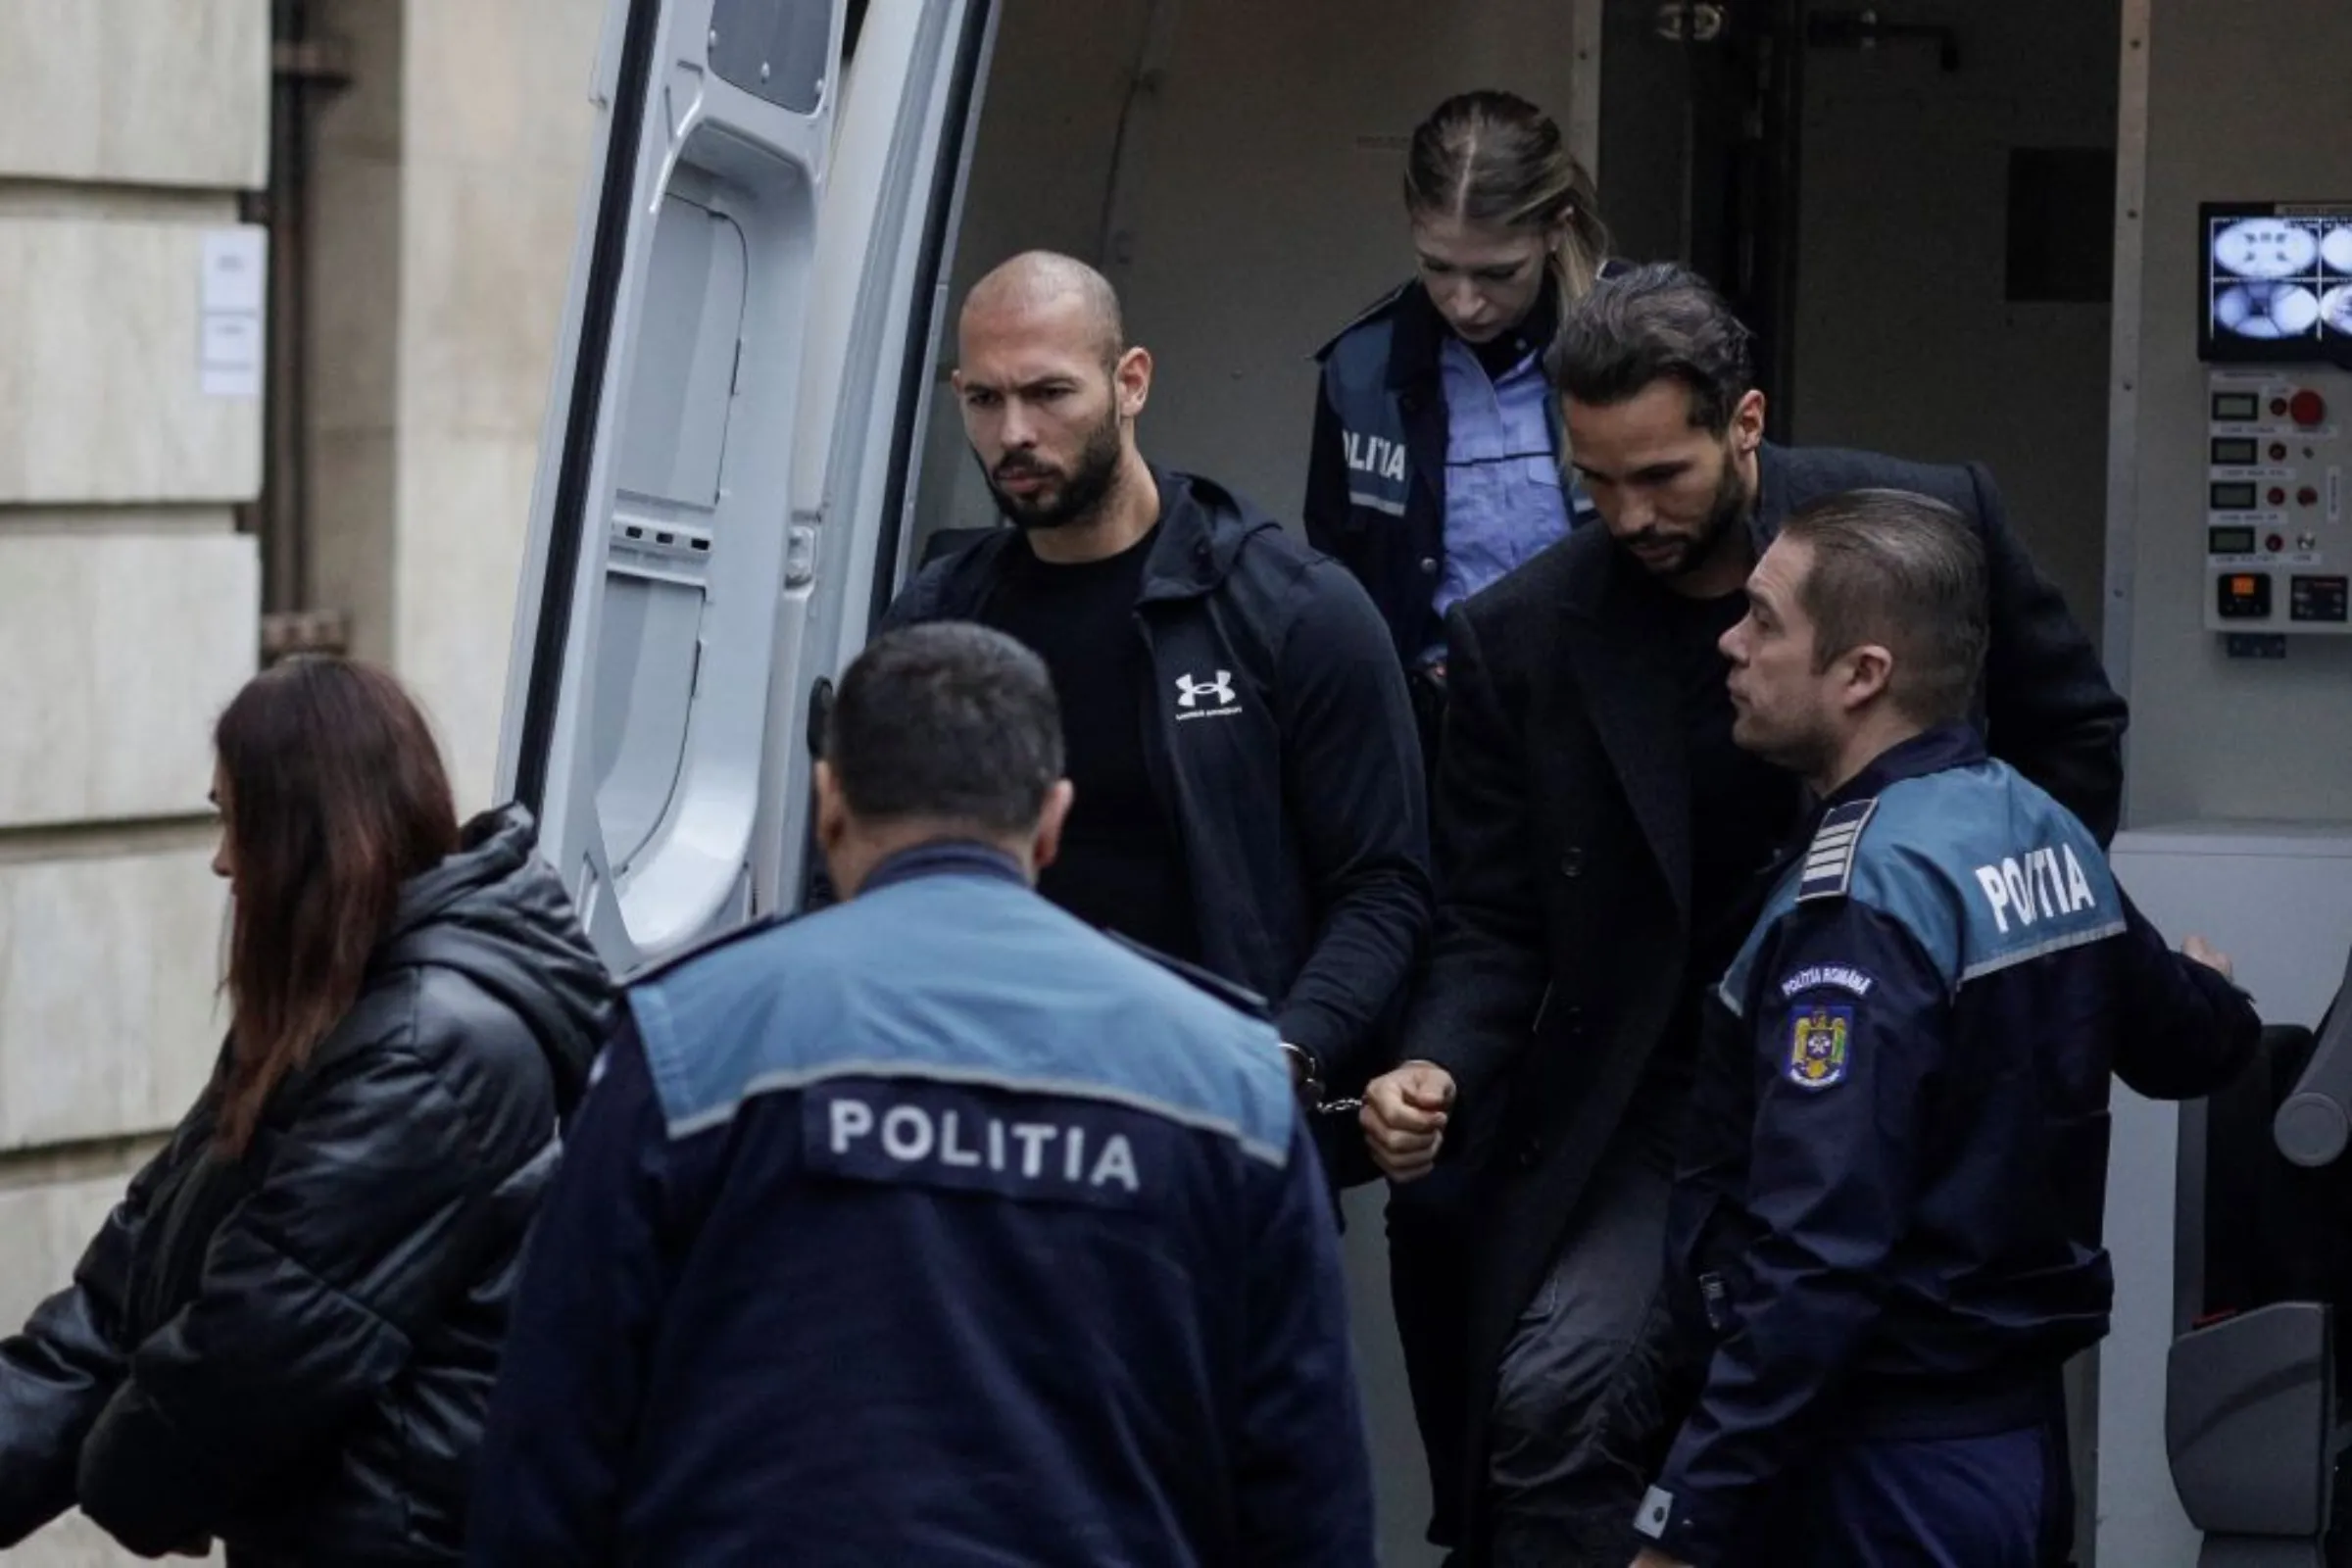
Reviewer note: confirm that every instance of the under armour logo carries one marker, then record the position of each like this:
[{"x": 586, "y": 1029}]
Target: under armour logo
[{"x": 1189, "y": 693}]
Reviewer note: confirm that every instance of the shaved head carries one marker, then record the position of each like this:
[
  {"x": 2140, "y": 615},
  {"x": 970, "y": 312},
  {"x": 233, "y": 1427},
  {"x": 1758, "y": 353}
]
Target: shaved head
[
  {"x": 1051, "y": 392},
  {"x": 1041, "y": 285}
]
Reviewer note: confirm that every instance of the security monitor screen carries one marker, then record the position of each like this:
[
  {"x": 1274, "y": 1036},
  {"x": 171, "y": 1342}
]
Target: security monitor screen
[{"x": 2277, "y": 282}]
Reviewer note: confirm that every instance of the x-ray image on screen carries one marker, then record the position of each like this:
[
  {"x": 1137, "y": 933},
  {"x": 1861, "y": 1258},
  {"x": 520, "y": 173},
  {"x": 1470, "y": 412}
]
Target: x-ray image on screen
[
  {"x": 2266, "y": 248},
  {"x": 2336, "y": 249},
  {"x": 2335, "y": 310},
  {"x": 2277, "y": 282},
  {"x": 2266, "y": 310}
]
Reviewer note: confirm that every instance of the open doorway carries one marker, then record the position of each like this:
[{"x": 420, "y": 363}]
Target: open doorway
[
  {"x": 1911, "y": 205},
  {"x": 1954, "y": 253},
  {"x": 1234, "y": 168}
]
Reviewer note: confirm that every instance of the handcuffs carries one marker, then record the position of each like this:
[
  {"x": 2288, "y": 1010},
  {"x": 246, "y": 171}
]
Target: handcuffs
[{"x": 1307, "y": 1080}]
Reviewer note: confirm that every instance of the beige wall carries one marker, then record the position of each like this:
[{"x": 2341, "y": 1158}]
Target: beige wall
[
  {"x": 129, "y": 604},
  {"x": 136, "y": 92},
  {"x": 444, "y": 194},
  {"x": 445, "y": 198},
  {"x": 496, "y": 126},
  {"x": 352, "y": 357}
]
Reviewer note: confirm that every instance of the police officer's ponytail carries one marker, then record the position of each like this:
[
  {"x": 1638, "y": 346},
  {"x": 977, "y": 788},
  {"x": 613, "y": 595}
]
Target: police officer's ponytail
[{"x": 1493, "y": 157}]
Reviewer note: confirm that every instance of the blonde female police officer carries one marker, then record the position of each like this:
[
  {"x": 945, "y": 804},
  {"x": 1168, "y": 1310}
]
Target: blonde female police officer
[
  {"x": 1436, "y": 460},
  {"x": 1438, "y": 466}
]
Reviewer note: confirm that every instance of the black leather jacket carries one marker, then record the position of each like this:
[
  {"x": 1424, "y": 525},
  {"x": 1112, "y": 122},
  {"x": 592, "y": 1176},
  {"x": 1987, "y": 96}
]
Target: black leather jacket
[{"x": 292, "y": 1353}]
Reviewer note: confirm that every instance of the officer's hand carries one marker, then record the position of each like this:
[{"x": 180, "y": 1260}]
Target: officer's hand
[
  {"x": 1649, "y": 1558},
  {"x": 2197, "y": 951},
  {"x": 1404, "y": 1118}
]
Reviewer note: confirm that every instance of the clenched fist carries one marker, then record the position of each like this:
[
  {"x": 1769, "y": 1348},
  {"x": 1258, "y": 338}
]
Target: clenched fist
[{"x": 1404, "y": 1118}]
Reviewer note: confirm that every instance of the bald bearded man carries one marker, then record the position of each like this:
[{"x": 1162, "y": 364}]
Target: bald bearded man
[{"x": 1249, "y": 786}]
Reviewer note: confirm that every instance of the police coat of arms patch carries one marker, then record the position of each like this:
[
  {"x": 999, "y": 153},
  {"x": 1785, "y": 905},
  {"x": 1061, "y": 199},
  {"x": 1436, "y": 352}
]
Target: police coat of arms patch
[{"x": 1818, "y": 1038}]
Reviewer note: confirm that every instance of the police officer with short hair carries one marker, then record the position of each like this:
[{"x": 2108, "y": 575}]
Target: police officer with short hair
[
  {"x": 1886, "y": 1227},
  {"x": 935, "y": 1226}
]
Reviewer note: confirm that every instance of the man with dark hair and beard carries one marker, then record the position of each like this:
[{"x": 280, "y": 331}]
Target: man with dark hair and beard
[
  {"x": 1248, "y": 776},
  {"x": 1598, "y": 843}
]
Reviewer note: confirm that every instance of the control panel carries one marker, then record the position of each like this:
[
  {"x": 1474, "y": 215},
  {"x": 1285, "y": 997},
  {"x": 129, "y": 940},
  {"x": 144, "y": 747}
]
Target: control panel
[{"x": 2278, "y": 545}]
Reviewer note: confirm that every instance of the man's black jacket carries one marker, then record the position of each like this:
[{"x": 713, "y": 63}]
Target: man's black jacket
[
  {"x": 1297, "y": 798},
  {"x": 291, "y": 1352},
  {"x": 1563, "y": 846}
]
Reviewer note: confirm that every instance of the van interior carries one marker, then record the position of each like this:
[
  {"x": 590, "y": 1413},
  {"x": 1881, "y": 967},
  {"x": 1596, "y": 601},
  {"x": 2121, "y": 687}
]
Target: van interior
[
  {"x": 1915, "y": 217},
  {"x": 1911, "y": 206}
]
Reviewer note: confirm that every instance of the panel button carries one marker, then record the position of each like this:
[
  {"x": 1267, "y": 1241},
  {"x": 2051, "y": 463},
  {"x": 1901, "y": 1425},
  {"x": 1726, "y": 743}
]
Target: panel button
[
  {"x": 2321, "y": 599},
  {"x": 2307, "y": 408},
  {"x": 2307, "y": 497},
  {"x": 2243, "y": 595},
  {"x": 2277, "y": 495}
]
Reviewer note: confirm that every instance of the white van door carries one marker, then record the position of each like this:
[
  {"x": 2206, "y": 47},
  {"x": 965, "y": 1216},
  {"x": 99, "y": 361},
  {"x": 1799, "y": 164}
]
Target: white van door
[{"x": 745, "y": 354}]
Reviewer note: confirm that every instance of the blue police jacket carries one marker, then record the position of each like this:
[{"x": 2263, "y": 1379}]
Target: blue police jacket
[
  {"x": 1376, "y": 490},
  {"x": 933, "y": 1227},
  {"x": 1888, "y": 1219}
]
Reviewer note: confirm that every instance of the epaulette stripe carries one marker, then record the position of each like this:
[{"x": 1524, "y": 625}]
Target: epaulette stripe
[{"x": 1828, "y": 867}]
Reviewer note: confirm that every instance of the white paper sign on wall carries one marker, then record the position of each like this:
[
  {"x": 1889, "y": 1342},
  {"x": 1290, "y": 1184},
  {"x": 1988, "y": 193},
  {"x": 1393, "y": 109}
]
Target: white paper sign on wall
[{"x": 234, "y": 296}]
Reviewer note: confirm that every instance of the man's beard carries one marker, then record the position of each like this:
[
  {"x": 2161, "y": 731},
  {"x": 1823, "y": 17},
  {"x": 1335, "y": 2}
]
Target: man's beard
[
  {"x": 1728, "y": 512},
  {"x": 1081, "y": 493}
]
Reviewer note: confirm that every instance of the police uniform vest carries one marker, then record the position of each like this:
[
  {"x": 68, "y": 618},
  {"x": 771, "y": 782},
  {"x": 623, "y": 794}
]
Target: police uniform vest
[{"x": 1984, "y": 872}]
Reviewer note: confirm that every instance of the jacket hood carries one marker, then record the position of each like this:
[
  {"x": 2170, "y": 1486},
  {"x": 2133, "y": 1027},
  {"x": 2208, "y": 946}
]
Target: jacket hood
[
  {"x": 497, "y": 913},
  {"x": 1203, "y": 528}
]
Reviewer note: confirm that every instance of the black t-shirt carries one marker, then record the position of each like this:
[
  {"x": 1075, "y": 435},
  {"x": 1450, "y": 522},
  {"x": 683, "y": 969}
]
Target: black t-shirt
[
  {"x": 1122, "y": 863},
  {"x": 1741, "y": 807}
]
